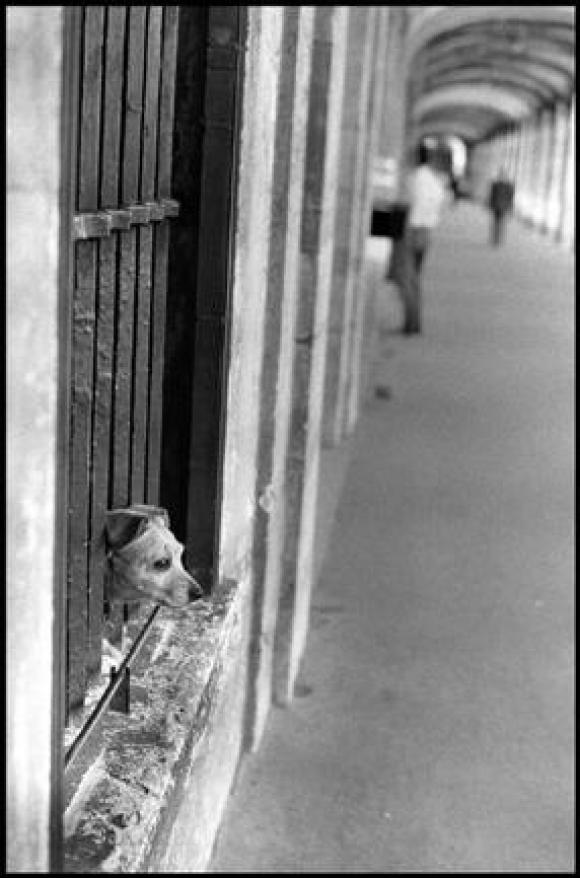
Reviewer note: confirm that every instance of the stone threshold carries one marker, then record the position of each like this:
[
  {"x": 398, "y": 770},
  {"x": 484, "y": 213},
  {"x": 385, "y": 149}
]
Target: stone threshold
[{"x": 137, "y": 760}]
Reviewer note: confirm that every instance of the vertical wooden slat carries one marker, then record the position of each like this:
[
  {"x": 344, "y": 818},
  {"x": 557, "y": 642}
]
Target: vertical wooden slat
[
  {"x": 102, "y": 402},
  {"x": 131, "y": 150},
  {"x": 114, "y": 78},
  {"x": 83, "y": 353},
  {"x": 161, "y": 246},
  {"x": 150, "y": 121},
  {"x": 167, "y": 100},
  {"x": 145, "y": 253}
]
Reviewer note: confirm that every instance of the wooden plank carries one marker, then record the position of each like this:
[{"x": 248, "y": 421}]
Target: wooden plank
[
  {"x": 88, "y": 179},
  {"x": 124, "y": 318},
  {"x": 141, "y": 366},
  {"x": 167, "y": 101},
  {"x": 145, "y": 266},
  {"x": 112, "y": 117},
  {"x": 83, "y": 354},
  {"x": 155, "y": 389},
  {"x": 161, "y": 248},
  {"x": 131, "y": 150},
  {"x": 133, "y": 109},
  {"x": 105, "y": 335},
  {"x": 151, "y": 115},
  {"x": 80, "y": 439}
]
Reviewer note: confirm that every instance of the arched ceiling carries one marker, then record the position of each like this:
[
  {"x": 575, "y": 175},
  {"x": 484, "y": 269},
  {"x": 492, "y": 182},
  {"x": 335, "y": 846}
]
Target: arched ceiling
[{"x": 473, "y": 69}]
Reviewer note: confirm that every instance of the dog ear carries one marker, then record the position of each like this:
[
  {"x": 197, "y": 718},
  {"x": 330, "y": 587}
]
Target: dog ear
[{"x": 122, "y": 526}]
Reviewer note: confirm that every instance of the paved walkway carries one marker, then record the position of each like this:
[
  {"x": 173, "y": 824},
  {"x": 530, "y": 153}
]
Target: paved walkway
[{"x": 433, "y": 731}]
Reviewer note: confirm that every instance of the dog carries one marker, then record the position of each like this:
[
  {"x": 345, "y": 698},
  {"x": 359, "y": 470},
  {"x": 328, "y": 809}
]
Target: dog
[{"x": 143, "y": 559}]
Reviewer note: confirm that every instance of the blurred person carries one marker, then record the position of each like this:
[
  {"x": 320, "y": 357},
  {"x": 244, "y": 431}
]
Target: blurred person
[
  {"x": 500, "y": 202},
  {"x": 426, "y": 195}
]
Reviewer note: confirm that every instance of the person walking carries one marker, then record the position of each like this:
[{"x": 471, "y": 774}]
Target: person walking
[
  {"x": 500, "y": 202},
  {"x": 426, "y": 193}
]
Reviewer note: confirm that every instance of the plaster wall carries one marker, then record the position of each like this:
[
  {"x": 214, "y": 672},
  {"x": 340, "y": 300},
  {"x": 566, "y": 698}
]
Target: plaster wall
[{"x": 33, "y": 98}]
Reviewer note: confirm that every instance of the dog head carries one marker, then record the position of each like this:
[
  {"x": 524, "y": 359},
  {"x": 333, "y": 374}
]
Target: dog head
[{"x": 144, "y": 559}]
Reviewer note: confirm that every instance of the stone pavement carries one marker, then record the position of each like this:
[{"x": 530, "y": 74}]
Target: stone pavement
[{"x": 433, "y": 728}]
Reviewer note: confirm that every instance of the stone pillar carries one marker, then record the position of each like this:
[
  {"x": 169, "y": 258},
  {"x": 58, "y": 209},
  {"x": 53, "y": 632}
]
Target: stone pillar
[
  {"x": 502, "y": 157},
  {"x": 276, "y": 385},
  {"x": 545, "y": 157},
  {"x": 554, "y": 193},
  {"x": 352, "y": 175},
  {"x": 568, "y": 198},
  {"x": 519, "y": 160},
  {"x": 498, "y": 153},
  {"x": 249, "y": 287},
  {"x": 507, "y": 150},
  {"x": 482, "y": 169},
  {"x": 535, "y": 169},
  {"x": 524, "y": 202},
  {"x": 316, "y": 249},
  {"x": 33, "y": 100},
  {"x": 530, "y": 169},
  {"x": 391, "y": 138},
  {"x": 357, "y": 369},
  {"x": 514, "y": 151}
]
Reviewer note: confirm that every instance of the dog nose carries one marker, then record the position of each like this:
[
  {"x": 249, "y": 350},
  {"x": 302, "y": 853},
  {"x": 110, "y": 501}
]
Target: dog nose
[{"x": 195, "y": 591}]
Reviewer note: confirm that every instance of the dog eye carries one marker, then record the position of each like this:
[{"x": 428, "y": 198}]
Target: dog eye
[{"x": 162, "y": 564}]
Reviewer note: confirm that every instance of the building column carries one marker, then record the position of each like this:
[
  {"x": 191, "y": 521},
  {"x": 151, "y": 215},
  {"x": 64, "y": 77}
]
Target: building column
[
  {"x": 359, "y": 352},
  {"x": 554, "y": 194},
  {"x": 483, "y": 169},
  {"x": 316, "y": 249},
  {"x": 276, "y": 382},
  {"x": 391, "y": 137},
  {"x": 568, "y": 198},
  {"x": 35, "y": 55},
  {"x": 503, "y": 157},
  {"x": 524, "y": 194},
  {"x": 352, "y": 175},
  {"x": 531, "y": 169},
  {"x": 545, "y": 151},
  {"x": 514, "y": 151},
  {"x": 520, "y": 167}
]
